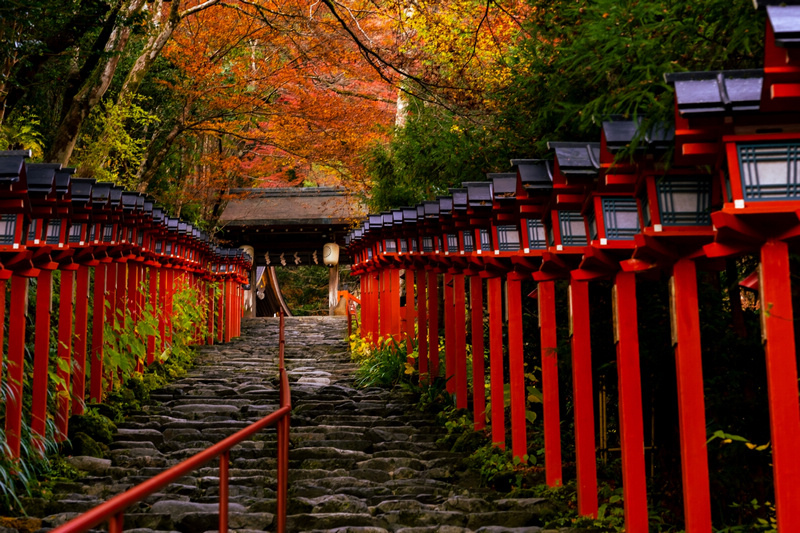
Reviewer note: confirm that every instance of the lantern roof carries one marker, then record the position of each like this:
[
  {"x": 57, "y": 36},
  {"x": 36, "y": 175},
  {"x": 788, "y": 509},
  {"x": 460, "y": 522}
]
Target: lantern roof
[
  {"x": 785, "y": 20},
  {"x": 375, "y": 221},
  {"x": 158, "y": 214},
  {"x": 620, "y": 133},
  {"x": 479, "y": 193},
  {"x": 397, "y": 217},
  {"x": 504, "y": 185},
  {"x": 386, "y": 219},
  {"x": 420, "y": 211},
  {"x": 128, "y": 201},
  {"x": 115, "y": 196},
  {"x": 81, "y": 190},
  {"x": 41, "y": 177},
  {"x": 716, "y": 92},
  {"x": 577, "y": 158},
  {"x": 534, "y": 174},
  {"x": 100, "y": 193},
  {"x": 445, "y": 205},
  {"x": 12, "y": 164},
  {"x": 63, "y": 178},
  {"x": 409, "y": 215},
  {"x": 431, "y": 209},
  {"x": 140, "y": 201},
  {"x": 460, "y": 198}
]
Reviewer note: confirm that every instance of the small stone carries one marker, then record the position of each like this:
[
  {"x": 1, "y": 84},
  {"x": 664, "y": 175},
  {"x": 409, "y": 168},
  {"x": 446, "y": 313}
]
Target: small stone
[{"x": 92, "y": 465}]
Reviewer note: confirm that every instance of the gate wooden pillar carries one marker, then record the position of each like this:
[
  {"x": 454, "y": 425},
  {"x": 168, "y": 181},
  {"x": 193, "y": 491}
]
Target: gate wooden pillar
[
  {"x": 516, "y": 366},
  {"x": 410, "y": 315},
  {"x": 582, "y": 397},
  {"x": 98, "y": 323},
  {"x": 634, "y": 483},
  {"x": 41, "y": 357},
  {"x": 64, "y": 351},
  {"x": 497, "y": 392}
]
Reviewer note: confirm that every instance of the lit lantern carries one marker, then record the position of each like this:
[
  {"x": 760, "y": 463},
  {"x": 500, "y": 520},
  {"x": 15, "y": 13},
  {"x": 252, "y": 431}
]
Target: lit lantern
[
  {"x": 330, "y": 254},
  {"x": 479, "y": 200},
  {"x": 14, "y": 202},
  {"x": 410, "y": 234}
]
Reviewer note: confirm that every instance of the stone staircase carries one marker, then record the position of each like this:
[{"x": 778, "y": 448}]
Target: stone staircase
[{"x": 362, "y": 460}]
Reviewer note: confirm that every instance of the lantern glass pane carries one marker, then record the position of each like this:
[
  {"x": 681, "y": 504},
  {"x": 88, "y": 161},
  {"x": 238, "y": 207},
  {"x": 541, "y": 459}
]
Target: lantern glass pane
[
  {"x": 684, "y": 202},
  {"x": 508, "y": 237},
  {"x": 391, "y": 246},
  {"x": 140, "y": 238},
  {"x": 486, "y": 240},
  {"x": 469, "y": 241},
  {"x": 621, "y": 218},
  {"x": 404, "y": 245},
  {"x": 108, "y": 233},
  {"x": 573, "y": 229},
  {"x": 769, "y": 171},
  {"x": 592, "y": 226},
  {"x": 90, "y": 236},
  {"x": 439, "y": 245},
  {"x": 452, "y": 242},
  {"x": 168, "y": 249},
  {"x": 32, "y": 230},
  {"x": 53, "y": 231},
  {"x": 414, "y": 245},
  {"x": 75, "y": 231},
  {"x": 537, "y": 237},
  {"x": 158, "y": 247},
  {"x": 8, "y": 227},
  {"x": 427, "y": 244}
]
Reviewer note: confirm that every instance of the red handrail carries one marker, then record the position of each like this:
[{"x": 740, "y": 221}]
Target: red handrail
[
  {"x": 350, "y": 307},
  {"x": 113, "y": 510}
]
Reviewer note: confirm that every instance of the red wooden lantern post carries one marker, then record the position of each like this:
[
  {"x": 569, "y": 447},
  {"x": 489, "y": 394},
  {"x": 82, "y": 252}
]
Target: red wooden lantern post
[
  {"x": 16, "y": 266},
  {"x": 430, "y": 249}
]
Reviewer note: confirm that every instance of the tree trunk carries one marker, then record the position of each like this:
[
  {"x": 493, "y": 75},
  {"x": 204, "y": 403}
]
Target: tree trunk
[
  {"x": 94, "y": 88},
  {"x": 153, "y": 158}
]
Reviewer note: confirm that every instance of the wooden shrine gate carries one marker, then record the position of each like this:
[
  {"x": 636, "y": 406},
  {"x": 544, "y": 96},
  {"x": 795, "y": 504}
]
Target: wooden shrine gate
[
  {"x": 132, "y": 256},
  {"x": 732, "y": 189}
]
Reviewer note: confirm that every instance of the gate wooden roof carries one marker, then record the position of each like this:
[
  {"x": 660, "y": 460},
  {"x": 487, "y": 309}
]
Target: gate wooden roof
[{"x": 294, "y": 221}]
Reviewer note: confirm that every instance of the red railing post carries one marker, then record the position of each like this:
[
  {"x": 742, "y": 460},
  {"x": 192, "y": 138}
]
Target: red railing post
[
  {"x": 116, "y": 522},
  {"x": 552, "y": 415},
  {"x": 394, "y": 302},
  {"x": 223, "y": 491},
  {"x": 777, "y": 326},
  {"x": 410, "y": 315},
  {"x": 582, "y": 398},
  {"x": 478, "y": 372},
  {"x": 626, "y": 336},
  {"x": 494, "y": 291},
  {"x": 516, "y": 367}
]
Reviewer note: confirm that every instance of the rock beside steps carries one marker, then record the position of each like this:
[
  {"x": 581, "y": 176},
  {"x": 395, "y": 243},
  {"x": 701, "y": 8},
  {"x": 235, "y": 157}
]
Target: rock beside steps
[{"x": 362, "y": 460}]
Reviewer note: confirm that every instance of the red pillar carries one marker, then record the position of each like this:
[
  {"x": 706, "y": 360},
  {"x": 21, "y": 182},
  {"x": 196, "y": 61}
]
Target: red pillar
[
  {"x": 460, "y": 338},
  {"x": 153, "y": 286},
  {"x": 422, "y": 328},
  {"x": 228, "y": 309},
  {"x": 582, "y": 398},
  {"x": 162, "y": 306},
  {"x": 691, "y": 402},
  {"x": 168, "y": 302},
  {"x": 221, "y": 311},
  {"x": 433, "y": 323},
  {"x": 634, "y": 486},
  {"x": 81, "y": 338},
  {"x": 3, "y": 278},
  {"x": 394, "y": 303},
  {"x": 98, "y": 322},
  {"x": 44, "y": 297},
  {"x": 777, "y": 328},
  {"x": 478, "y": 377},
  {"x": 64, "y": 352},
  {"x": 449, "y": 335},
  {"x": 115, "y": 289},
  {"x": 516, "y": 368},
  {"x": 16, "y": 361},
  {"x": 552, "y": 416},
  {"x": 211, "y": 307},
  {"x": 494, "y": 292},
  {"x": 384, "y": 309},
  {"x": 410, "y": 315}
]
